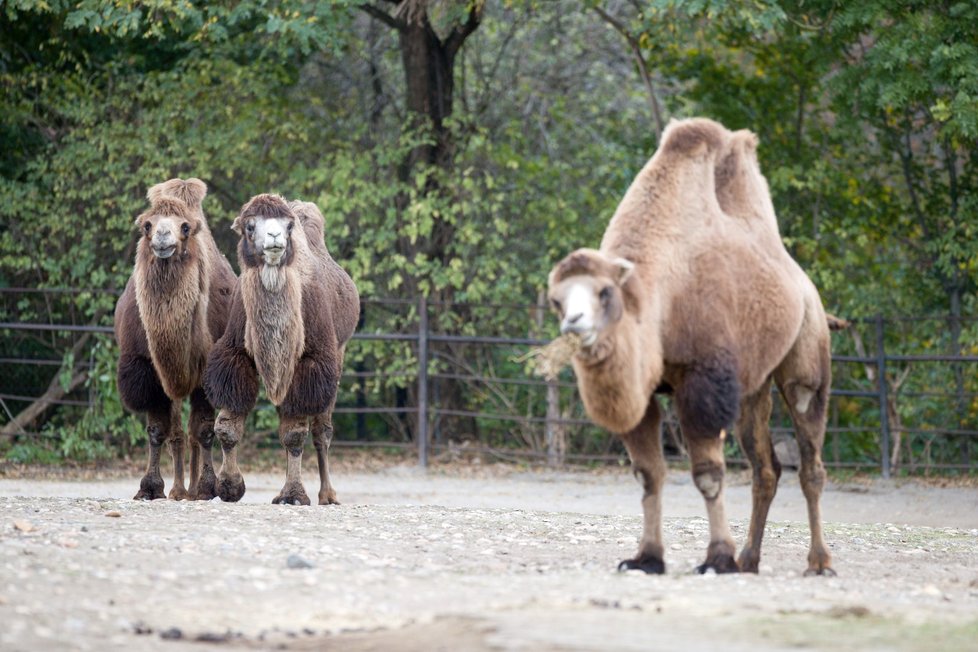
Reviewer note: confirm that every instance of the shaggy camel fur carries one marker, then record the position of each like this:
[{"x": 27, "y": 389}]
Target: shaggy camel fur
[
  {"x": 173, "y": 308},
  {"x": 693, "y": 292},
  {"x": 292, "y": 315}
]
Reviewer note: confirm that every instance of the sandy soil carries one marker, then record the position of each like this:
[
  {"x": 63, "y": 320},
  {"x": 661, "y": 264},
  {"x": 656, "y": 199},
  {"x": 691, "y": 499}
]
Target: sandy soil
[{"x": 489, "y": 560}]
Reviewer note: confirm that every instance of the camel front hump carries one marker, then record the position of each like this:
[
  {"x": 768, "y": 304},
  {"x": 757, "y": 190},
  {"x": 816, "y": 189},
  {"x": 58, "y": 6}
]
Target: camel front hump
[{"x": 693, "y": 288}]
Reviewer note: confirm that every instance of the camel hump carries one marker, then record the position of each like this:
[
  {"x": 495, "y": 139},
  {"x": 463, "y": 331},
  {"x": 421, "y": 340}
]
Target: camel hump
[
  {"x": 307, "y": 211},
  {"x": 693, "y": 136},
  {"x": 167, "y": 206},
  {"x": 190, "y": 191}
]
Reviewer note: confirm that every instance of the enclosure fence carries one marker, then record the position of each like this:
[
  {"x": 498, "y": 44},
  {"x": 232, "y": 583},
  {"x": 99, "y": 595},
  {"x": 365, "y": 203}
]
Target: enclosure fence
[{"x": 447, "y": 379}]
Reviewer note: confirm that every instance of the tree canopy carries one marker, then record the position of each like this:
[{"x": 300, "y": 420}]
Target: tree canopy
[{"x": 458, "y": 147}]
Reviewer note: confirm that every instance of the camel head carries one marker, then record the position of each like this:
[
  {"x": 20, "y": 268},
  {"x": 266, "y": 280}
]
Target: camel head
[
  {"x": 267, "y": 229},
  {"x": 168, "y": 228},
  {"x": 588, "y": 292}
]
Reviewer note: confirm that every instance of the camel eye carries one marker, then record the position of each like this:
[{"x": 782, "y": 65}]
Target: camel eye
[
  {"x": 147, "y": 227},
  {"x": 250, "y": 227},
  {"x": 185, "y": 229},
  {"x": 289, "y": 227},
  {"x": 604, "y": 294},
  {"x": 555, "y": 304}
]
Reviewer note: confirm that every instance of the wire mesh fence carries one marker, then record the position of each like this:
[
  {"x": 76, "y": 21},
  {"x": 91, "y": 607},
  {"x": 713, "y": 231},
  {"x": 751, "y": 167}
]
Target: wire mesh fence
[{"x": 446, "y": 377}]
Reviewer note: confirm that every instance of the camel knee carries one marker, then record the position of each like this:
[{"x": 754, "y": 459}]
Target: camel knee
[
  {"x": 708, "y": 477},
  {"x": 812, "y": 479},
  {"x": 205, "y": 435},
  {"x": 157, "y": 435},
  {"x": 292, "y": 439},
  {"x": 651, "y": 482},
  {"x": 229, "y": 429},
  {"x": 766, "y": 481}
]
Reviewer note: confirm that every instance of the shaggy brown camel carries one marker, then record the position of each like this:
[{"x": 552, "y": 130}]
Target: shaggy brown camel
[
  {"x": 693, "y": 292},
  {"x": 173, "y": 308},
  {"x": 292, "y": 315}
]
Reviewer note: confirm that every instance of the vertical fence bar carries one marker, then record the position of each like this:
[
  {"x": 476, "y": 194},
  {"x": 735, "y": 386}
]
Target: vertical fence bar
[
  {"x": 884, "y": 403},
  {"x": 423, "y": 382}
]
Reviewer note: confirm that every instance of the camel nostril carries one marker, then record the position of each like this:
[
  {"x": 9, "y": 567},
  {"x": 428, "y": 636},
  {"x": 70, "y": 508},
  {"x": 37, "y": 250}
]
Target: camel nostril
[{"x": 576, "y": 318}]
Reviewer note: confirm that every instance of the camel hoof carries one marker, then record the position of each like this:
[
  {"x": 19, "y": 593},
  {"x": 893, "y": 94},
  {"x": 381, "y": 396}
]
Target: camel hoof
[
  {"x": 748, "y": 562},
  {"x": 179, "y": 493},
  {"x": 207, "y": 485},
  {"x": 150, "y": 488},
  {"x": 328, "y": 498},
  {"x": 230, "y": 487},
  {"x": 721, "y": 563},
  {"x": 825, "y": 571},
  {"x": 648, "y": 564},
  {"x": 292, "y": 495}
]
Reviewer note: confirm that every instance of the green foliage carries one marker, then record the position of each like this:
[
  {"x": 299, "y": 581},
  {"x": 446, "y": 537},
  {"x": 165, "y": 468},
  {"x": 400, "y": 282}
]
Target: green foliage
[{"x": 867, "y": 115}]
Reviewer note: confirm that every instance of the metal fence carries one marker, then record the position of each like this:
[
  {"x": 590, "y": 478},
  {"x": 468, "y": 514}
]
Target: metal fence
[{"x": 447, "y": 378}]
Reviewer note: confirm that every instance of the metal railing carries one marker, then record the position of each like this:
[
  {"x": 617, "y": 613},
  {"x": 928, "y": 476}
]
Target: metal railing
[{"x": 442, "y": 360}]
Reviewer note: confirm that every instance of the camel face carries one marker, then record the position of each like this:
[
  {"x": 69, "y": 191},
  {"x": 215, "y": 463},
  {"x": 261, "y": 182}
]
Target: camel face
[
  {"x": 167, "y": 229},
  {"x": 266, "y": 228},
  {"x": 586, "y": 293},
  {"x": 270, "y": 237}
]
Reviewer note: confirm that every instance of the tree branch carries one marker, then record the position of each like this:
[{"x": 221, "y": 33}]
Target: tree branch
[
  {"x": 462, "y": 32},
  {"x": 383, "y": 17},
  {"x": 643, "y": 68}
]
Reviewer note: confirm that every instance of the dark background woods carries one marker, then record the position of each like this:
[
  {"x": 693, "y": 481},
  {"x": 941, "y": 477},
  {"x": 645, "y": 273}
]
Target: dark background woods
[{"x": 458, "y": 148}]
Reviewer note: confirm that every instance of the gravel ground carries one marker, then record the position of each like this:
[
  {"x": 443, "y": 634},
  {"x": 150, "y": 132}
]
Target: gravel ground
[{"x": 488, "y": 560}]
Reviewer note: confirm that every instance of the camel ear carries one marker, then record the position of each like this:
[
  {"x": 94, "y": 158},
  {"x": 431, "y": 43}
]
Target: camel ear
[
  {"x": 237, "y": 225},
  {"x": 625, "y": 268}
]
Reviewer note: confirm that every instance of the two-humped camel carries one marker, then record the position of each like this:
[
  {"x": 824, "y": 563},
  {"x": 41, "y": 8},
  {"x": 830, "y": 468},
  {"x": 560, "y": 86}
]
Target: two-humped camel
[
  {"x": 173, "y": 308},
  {"x": 693, "y": 291},
  {"x": 291, "y": 317}
]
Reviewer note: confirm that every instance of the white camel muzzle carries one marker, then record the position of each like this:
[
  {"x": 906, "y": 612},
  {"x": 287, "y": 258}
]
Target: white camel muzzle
[{"x": 579, "y": 315}]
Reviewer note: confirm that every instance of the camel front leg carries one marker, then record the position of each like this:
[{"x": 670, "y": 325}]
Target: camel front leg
[
  {"x": 202, "y": 438},
  {"x": 229, "y": 429},
  {"x": 706, "y": 454},
  {"x": 292, "y": 433},
  {"x": 158, "y": 430},
  {"x": 322, "y": 435},
  {"x": 644, "y": 445}
]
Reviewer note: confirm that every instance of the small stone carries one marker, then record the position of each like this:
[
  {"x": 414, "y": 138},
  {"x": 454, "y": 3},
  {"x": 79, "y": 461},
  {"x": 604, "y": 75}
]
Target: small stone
[
  {"x": 24, "y": 526},
  {"x": 84, "y": 528},
  {"x": 297, "y": 562},
  {"x": 172, "y": 634},
  {"x": 114, "y": 514}
]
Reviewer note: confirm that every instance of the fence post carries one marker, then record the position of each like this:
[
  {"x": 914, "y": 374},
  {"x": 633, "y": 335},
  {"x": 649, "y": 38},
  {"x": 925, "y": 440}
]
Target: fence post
[
  {"x": 883, "y": 399},
  {"x": 423, "y": 382},
  {"x": 555, "y": 436}
]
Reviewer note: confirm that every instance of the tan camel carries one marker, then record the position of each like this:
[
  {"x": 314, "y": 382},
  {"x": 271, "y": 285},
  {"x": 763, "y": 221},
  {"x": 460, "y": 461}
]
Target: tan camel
[{"x": 692, "y": 292}]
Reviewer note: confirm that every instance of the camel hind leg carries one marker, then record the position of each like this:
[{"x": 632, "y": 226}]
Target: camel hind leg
[
  {"x": 322, "y": 435},
  {"x": 754, "y": 435},
  {"x": 292, "y": 433},
  {"x": 644, "y": 445},
  {"x": 176, "y": 442},
  {"x": 804, "y": 379}
]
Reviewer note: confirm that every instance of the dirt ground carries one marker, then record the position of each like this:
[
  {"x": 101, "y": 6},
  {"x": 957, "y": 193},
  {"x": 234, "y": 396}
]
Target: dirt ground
[{"x": 493, "y": 558}]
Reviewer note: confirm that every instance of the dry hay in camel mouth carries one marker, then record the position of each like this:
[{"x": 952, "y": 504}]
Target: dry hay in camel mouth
[{"x": 547, "y": 361}]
